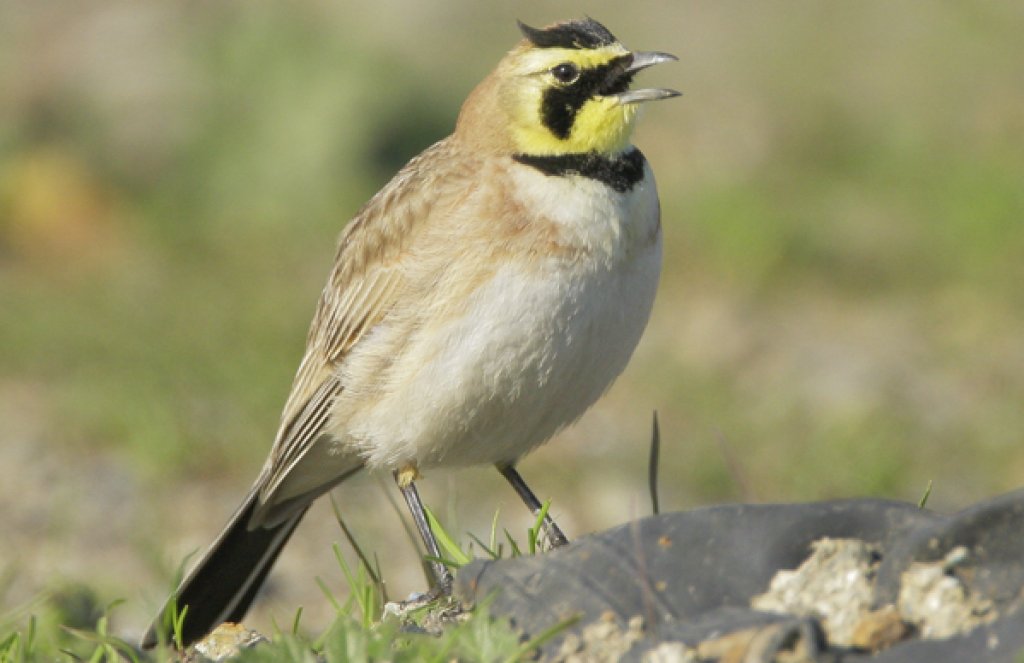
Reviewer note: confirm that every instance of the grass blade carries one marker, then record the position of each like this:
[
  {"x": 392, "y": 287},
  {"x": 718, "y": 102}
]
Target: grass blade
[
  {"x": 533, "y": 534},
  {"x": 652, "y": 464},
  {"x": 457, "y": 555},
  {"x": 514, "y": 547},
  {"x": 927, "y": 493},
  {"x": 491, "y": 552}
]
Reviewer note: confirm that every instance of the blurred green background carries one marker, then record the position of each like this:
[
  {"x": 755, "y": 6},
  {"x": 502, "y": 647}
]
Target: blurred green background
[{"x": 841, "y": 310}]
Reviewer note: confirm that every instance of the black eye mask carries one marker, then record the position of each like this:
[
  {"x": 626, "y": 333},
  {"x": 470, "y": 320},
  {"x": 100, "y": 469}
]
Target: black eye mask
[{"x": 561, "y": 104}]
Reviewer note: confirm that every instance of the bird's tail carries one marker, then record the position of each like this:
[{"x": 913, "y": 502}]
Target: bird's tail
[{"x": 223, "y": 585}]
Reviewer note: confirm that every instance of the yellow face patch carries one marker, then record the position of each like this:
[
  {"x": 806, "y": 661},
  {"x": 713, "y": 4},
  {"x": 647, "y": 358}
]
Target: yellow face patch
[
  {"x": 555, "y": 112},
  {"x": 602, "y": 125}
]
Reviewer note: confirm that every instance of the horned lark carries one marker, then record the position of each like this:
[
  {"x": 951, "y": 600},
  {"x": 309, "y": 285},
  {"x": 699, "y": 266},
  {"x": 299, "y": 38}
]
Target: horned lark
[{"x": 480, "y": 302}]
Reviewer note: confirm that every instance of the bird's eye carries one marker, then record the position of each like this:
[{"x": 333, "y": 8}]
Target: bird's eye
[{"x": 566, "y": 72}]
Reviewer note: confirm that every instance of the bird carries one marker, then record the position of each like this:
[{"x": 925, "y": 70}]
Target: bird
[{"x": 480, "y": 302}]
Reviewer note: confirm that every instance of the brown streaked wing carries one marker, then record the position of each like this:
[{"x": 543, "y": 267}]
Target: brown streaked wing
[
  {"x": 299, "y": 437},
  {"x": 362, "y": 288}
]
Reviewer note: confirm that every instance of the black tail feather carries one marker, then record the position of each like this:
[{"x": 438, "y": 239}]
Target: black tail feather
[{"x": 223, "y": 585}]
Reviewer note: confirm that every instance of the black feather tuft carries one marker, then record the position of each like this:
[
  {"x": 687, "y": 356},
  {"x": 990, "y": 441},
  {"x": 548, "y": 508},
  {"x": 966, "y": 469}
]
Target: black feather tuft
[{"x": 579, "y": 34}]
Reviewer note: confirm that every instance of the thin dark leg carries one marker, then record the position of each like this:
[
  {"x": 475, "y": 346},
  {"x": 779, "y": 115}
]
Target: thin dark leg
[
  {"x": 554, "y": 535},
  {"x": 442, "y": 576}
]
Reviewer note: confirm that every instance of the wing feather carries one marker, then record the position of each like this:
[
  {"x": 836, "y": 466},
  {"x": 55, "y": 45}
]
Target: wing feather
[
  {"x": 300, "y": 435},
  {"x": 364, "y": 285}
]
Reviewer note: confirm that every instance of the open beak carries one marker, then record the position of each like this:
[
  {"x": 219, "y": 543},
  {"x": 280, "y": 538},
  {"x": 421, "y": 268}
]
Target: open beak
[{"x": 642, "y": 60}]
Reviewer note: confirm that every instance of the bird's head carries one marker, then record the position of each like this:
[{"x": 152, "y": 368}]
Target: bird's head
[{"x": 563, "y": 89}]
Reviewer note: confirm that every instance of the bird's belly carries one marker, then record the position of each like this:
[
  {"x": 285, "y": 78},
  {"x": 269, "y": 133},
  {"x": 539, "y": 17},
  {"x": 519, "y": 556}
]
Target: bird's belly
[{"x": 532, "y": 351}]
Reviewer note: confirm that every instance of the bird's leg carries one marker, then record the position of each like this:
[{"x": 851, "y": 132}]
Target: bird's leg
[
  {"x": 405, "y": 478},
  {"x": 554, "y": 535}
]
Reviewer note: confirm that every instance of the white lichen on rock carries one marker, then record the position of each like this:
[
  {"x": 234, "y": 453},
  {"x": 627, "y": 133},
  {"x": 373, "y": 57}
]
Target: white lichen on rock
[
  {"x": 836, "y": 585},
  {"x": 937, "y": 602}
]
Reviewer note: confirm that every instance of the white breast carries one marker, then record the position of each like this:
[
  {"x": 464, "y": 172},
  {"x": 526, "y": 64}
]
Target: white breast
[{"x": 537, "y": 344}]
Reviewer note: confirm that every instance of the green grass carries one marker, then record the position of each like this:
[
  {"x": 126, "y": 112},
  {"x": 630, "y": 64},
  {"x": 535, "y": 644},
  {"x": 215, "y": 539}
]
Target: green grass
[
  {"x": 479, "y": 637},
  {"x": 361, "y": 630}
]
